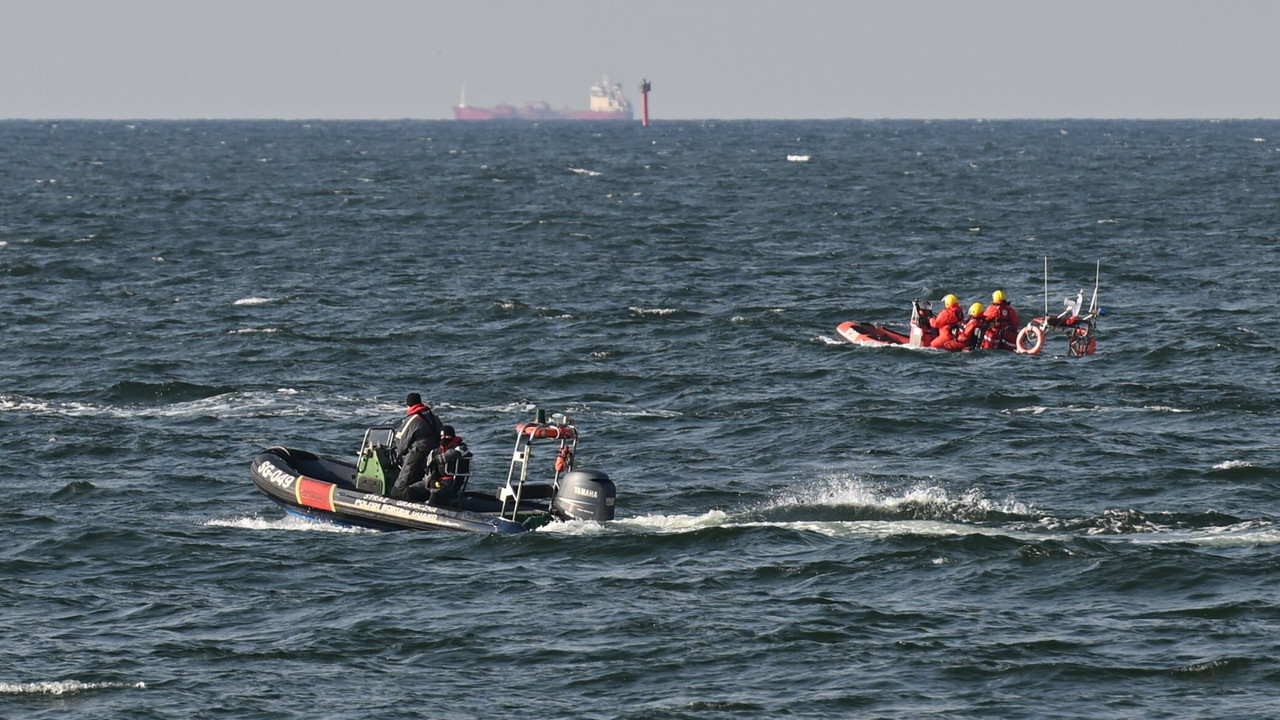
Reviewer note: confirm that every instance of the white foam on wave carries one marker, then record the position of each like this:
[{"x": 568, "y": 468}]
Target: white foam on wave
[
  {"x": 1232, "y": 464},
  {"x": 850, "y": 490},
  {"x": 584, "y": 171},
  {"x": 523, "y": 409},
  {"x": 652, "y": 311},
  {"x": 892, "y": 528},
  {"x": 254, "y": 301},
  {"x": 254, "y": 331},
  {"x": 291, "y": 523},
  {"x": 1042, "y": 409},
  {"x": 825, "y": 340},
  {"x": 676, "y": 523},
  {"x": 1252, "y": 533},
  {"x": 225, "y": 404},
  {"x": 639, "y": 412},
  {"x": 798, "y": 158},
  {"x": 62, "y": 687},
  {"x": 1245, "y": 535},
  {"x": 573, "y": 528}
]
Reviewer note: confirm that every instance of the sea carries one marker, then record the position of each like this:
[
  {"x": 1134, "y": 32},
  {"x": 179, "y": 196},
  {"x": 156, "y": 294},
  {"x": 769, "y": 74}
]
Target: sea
[{"x": 806, "y": 528}]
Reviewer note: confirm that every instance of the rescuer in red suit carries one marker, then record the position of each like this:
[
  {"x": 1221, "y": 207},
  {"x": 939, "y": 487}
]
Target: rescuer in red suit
[
  {"x": 947, "y": 322},
  {"x": 970, "y": 334},
  {"x": 1002, "y": 324}
]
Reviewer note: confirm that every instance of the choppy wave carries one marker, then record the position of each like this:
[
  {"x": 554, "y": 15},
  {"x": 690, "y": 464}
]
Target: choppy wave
[{"x": 794, "y": 511}]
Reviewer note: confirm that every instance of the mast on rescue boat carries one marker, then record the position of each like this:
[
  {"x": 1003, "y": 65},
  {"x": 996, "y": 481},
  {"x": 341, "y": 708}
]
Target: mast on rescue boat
[
  {"x": 1046, "y": 286},
  {"x": 1097, "y": 275}
]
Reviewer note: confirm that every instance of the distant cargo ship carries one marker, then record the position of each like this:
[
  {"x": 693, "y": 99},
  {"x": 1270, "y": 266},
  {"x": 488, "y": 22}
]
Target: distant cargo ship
[{"x": 607, "y": 103}]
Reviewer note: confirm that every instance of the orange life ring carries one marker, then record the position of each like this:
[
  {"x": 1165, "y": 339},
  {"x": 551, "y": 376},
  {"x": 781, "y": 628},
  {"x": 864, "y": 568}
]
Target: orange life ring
[
  {"x": 1037, "y": 340},
  {"x": 555, "y": 432}
]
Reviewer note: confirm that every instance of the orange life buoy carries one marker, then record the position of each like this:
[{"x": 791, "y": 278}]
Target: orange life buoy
[
  {"x": 1037, "y": 340},
  {"x": 564, "y": 459},
  {"x": 536, "y": 430}
]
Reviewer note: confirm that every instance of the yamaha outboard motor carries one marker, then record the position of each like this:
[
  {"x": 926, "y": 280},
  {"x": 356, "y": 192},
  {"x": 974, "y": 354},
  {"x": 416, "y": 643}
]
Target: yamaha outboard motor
[{"x": 585, "y": 495}]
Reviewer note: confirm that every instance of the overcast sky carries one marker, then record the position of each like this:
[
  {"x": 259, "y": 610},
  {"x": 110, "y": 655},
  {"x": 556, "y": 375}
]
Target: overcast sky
[{"x": 723, "y": 59}]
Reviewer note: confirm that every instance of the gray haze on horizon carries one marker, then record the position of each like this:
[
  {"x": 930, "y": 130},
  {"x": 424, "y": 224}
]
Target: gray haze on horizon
[{"x": 714, "y": 59}]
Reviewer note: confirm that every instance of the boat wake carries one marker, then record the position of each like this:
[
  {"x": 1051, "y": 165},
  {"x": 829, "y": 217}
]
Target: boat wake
[
  {"x": 1242, "y": 534},
  {"x": 851, "y": 508}
]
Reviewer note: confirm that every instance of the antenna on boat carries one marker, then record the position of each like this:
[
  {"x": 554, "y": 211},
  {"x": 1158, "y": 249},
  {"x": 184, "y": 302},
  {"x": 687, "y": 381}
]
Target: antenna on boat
[
  {"x": 1046, "y": 286},
  {"x": 1097, "y": 275}
]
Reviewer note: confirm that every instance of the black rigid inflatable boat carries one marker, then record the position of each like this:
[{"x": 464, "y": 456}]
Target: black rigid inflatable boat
[{"x": 325, "y": 488}]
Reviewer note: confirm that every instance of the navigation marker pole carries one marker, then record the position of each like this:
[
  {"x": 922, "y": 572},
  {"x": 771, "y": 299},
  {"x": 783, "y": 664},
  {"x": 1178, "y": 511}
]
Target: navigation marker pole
[{"x": 644, "y": 103}]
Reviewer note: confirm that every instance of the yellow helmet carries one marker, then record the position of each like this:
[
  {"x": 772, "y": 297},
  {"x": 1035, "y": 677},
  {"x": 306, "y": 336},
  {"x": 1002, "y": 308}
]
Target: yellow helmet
[
  {"x": 997, "y": 296},
  {"x": 950, "y": 300},
  {"x": 975, "y": 309}
]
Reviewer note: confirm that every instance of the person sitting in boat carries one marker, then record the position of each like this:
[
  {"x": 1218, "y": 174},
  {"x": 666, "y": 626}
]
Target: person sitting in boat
[
  {"x": 1002, "y": 324},
  {"x": 947, "y": 322},
  {"x": 921, "y": 319},
  {"x": 444, "y": 471},
  {"x": 448, "y": 468},
  {"x": 970, "y": 334},
  {"x": 417, "y": 436}
]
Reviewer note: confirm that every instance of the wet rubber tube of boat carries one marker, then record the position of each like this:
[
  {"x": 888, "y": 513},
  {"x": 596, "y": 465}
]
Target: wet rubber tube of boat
[{"x": 585, "y": 495}]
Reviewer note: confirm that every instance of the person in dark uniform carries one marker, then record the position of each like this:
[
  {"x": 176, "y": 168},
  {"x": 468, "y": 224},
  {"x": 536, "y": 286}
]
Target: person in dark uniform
[
  {"x": 417, "y": 436},
  {"x": 448, "y": 467}
]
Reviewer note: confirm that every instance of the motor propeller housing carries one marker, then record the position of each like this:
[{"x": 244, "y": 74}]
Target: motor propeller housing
[{"x": 585, "y": 495}]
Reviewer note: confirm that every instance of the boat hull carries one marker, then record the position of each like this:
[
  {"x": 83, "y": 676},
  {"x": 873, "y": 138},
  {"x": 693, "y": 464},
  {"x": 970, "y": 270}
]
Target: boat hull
[
  {"x": 323, "y": 488},
  {"x": 860, "y": 333}
]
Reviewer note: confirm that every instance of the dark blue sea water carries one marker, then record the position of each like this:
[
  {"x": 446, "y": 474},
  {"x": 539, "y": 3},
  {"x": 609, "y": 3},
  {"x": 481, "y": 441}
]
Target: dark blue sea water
[{"x": 806, "y": 528}]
